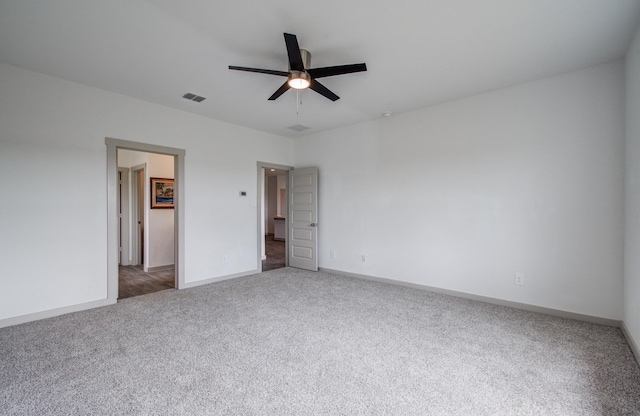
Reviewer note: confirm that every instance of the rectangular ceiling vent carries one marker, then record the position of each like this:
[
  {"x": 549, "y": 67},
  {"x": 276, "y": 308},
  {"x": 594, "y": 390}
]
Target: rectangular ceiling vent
[
  {"x": 193, "y": 97},
  {"x": 299, "y": 127}
]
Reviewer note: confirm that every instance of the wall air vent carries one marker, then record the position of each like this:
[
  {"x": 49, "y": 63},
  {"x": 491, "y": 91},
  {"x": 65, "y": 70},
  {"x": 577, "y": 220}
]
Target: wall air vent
[
  {"x": 192, "y": 97},
  {"x": 299, "y": 127}
]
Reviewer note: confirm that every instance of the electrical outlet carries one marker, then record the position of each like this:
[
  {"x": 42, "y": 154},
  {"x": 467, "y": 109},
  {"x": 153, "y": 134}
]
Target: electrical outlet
[
  {"x": 332, "y": 254},
  {"x": 519, "y": 279},
  {"x": 364, "y": 258}
]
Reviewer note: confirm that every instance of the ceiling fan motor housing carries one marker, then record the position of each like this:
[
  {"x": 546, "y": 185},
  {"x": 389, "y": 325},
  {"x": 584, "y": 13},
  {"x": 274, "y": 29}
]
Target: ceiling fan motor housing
[{"x": 306, "y": 59}]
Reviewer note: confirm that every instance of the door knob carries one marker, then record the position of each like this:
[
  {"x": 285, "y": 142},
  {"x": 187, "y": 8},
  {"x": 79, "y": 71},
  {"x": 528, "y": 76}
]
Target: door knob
[{"x": 313, "y": 224}]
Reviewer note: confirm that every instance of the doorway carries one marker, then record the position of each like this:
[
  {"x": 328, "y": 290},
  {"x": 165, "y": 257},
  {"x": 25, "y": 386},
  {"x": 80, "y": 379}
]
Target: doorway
[
  {"x": 142, "y": 256},
  {"x": 275, "y": 204},
  {"x": 149, "y": 266},
  {"x": 272, "y": 216}
]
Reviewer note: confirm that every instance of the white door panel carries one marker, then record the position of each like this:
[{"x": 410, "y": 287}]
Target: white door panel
[
  {"x": 303, "y": 212},
  {"x": 304, "y": 179},
  {"x": 302, "y": 216},
  {"x": 303, "y": 235},
  {"x": 303, "y": 198},
  {"x": 304, "y": 253}
]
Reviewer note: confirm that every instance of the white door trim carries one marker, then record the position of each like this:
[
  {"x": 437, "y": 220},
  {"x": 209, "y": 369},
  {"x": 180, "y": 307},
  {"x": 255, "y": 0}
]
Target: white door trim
[
  {"x": 125, "y": 228},
  {"x": 135, "y": 212},
  {"x": 112, "y": 208},
  {"x": 259, "y": 204}
]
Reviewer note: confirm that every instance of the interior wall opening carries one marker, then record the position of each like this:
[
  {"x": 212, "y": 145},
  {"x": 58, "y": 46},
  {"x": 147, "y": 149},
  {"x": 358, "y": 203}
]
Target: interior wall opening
[
  {"x": 275, "y": 208},
  {"x": 273, "y": 182},
  {"x": 146, "y": 216}
]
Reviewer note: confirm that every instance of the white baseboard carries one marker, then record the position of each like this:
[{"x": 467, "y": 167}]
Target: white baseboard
[
  {"x": 517, "y": 305},
  {"x": 54, "y": 312},
  {"x": 632, "y": 343},
  {"x": 188, "y": 285}
]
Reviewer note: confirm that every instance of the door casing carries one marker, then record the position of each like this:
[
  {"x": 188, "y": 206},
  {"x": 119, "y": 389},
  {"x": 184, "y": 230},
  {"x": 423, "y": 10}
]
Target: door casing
[
  {"x": 123, "y": 214},
  {"x": 112, "y": 209},
  {"x": 138, "y": 210}
]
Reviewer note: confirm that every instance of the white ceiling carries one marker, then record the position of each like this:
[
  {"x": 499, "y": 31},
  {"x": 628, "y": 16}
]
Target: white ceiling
[{"x": 418, "y": 52}]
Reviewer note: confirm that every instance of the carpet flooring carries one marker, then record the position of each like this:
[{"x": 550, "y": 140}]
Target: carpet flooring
[{"x": 291, "y": 342}]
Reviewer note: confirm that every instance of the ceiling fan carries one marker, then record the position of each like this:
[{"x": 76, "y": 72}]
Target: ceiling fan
[{"x": 300, "y": 76}]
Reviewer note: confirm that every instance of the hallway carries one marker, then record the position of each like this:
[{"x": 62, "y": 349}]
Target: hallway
[
  {"x": 275, "y": 251},
  {"x": 133, "y": 281}
]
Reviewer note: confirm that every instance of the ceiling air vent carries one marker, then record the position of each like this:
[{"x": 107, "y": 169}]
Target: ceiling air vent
[
  {"x": 193, "y": 97},
  {"x": 299, "y": 127}
]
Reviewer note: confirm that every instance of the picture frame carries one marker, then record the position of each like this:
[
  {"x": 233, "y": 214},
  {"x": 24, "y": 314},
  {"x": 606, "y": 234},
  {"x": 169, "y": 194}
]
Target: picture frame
[{"x": 162, "y": 193}]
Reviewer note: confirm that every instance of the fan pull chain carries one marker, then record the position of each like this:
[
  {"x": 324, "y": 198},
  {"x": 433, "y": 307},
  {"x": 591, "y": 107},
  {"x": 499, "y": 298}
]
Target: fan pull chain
[{"x": 297, "y": 101}]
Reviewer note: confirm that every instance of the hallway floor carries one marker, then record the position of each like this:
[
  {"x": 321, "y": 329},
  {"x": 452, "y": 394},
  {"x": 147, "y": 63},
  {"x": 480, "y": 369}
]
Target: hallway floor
[
  {"x": 133, "y": 281},
  {"x": 275, "y": 251}
]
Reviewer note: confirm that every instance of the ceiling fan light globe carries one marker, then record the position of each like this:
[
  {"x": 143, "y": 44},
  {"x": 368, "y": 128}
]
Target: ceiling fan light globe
[
  {"x": 299, "y": 84},
  {"x": 299, "y": 80}
]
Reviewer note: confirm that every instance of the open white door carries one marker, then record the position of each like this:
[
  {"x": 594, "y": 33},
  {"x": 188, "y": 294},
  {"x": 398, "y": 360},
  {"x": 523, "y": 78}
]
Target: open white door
[{"x": 303, "y": 214}]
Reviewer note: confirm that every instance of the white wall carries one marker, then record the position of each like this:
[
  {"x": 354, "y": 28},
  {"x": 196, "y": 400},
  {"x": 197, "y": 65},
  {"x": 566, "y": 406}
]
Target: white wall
[
  {"x": 282, "y": 202},
  {"x": 126, "y": 160},
  {"x": 632, "y": 193},
  {"x": 159, "y": 249},
  {"x": 161, "y": 239},
  {"x": 53, "y": 243},
  {"x": 272, "y": 202},
  {"x": 129, "y": 159},
  {"x": 463, "y": 195}
]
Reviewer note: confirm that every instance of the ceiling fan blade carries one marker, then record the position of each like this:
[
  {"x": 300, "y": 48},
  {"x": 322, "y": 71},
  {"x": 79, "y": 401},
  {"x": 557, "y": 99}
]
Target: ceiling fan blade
[
  {"x": 258, "y": 70},
  {"x": 280, "y": 91},
  {"x": 293, "y": 50},
  {"x": 322, "y": 90},
  {"x": 329, "y": 71}
]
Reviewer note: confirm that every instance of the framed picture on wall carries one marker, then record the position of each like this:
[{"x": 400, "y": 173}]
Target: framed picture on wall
[{"x": 161, "y": 193}]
